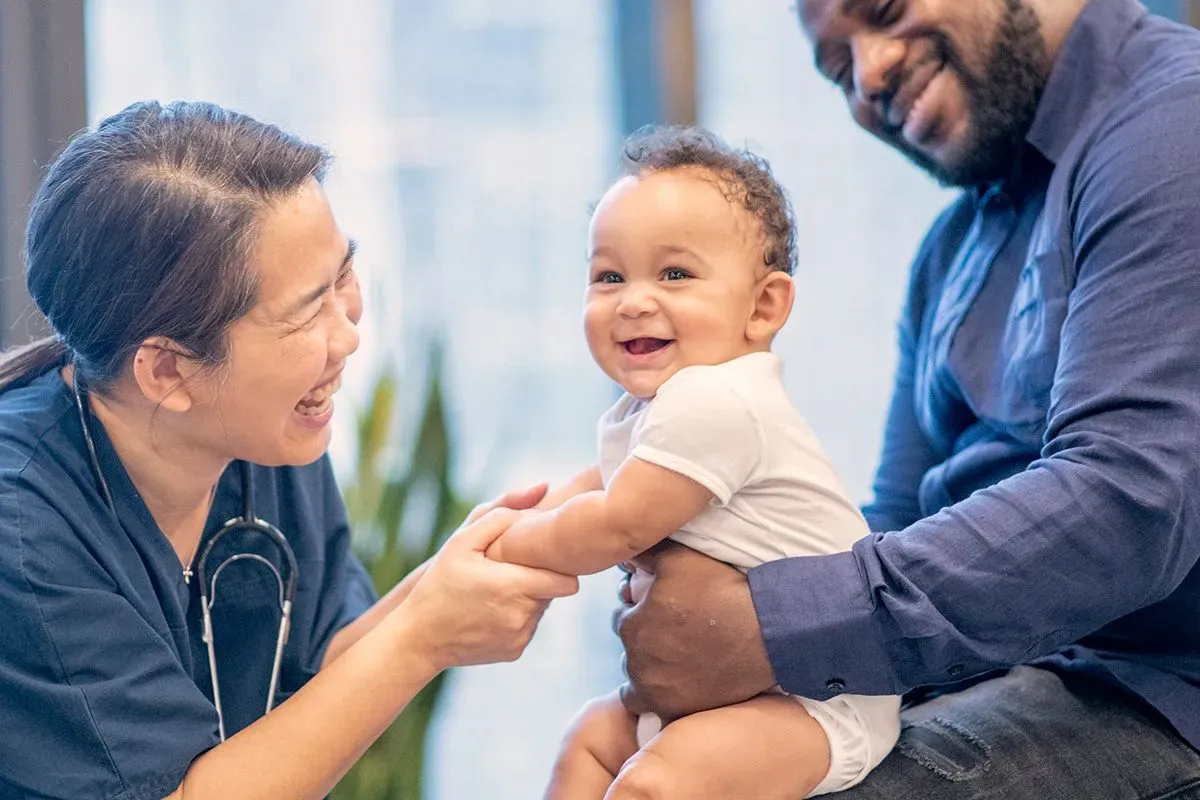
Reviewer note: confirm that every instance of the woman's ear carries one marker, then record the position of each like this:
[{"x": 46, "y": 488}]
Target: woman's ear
[
  {"x": 161, "y": 372},
  {"x": 773, "y": 298}
]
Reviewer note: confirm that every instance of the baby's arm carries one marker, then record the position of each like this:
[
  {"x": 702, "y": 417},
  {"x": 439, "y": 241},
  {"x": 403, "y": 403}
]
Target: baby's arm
[
  {"x": 598, "y": 529},
  {"x": 586, "y": 481}
]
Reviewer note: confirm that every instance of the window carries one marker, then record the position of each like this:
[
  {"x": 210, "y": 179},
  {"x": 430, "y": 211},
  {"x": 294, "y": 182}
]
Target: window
[
  {"x": 470, "y": 138},
  {"x": 861, "y": 211}
]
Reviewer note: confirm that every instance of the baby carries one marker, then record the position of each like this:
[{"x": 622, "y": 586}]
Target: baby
[{"x": 690, "y": 261}]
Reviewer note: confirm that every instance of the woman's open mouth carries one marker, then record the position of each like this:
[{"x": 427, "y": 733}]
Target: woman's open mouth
[{"x": 320, "y": 400}]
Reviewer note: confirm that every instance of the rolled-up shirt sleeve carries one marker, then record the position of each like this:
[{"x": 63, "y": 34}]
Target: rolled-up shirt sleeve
[{"x": 1104, "y": 522}]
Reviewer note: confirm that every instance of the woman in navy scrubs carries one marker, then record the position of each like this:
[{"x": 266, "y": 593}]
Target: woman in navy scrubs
[{"x": 204, "y": 304}]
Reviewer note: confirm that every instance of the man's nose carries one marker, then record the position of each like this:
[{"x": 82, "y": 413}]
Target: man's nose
[{"x": 877, "y": 66}]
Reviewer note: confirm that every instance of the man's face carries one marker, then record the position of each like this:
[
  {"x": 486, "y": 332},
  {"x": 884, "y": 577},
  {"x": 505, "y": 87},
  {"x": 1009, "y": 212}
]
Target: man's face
[{"x": 952, "y": 84}]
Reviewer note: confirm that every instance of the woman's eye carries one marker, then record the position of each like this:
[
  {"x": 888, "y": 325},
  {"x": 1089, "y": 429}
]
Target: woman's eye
[
  {"x": 676, "y": 274},
  {"x": 345, "y": 277}
]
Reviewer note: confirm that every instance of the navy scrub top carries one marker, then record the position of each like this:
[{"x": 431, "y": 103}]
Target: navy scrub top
[{"x": 104, "y": 680}]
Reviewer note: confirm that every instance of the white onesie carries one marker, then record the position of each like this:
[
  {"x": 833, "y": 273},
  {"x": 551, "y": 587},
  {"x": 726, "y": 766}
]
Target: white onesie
[{"x": 732, "y": 429}]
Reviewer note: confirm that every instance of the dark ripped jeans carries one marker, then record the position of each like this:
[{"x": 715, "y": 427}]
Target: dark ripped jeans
[{"x": 1032, "y": 734}]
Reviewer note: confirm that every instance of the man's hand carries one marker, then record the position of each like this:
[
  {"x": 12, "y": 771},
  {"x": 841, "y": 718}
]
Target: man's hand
[{"x": 693, "y": 642}]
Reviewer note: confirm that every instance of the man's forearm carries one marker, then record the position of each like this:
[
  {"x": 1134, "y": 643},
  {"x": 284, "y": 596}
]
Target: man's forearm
[{"x": 844, "y": 622}]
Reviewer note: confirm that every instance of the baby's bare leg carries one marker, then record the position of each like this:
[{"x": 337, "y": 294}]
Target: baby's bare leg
[
  {"x": 767, "y": 748},
  {"x": 601, "y": 737}
]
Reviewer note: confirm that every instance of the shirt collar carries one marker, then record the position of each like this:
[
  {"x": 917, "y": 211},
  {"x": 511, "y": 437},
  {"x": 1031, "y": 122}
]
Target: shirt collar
[{"x": 1084, "y": 75}]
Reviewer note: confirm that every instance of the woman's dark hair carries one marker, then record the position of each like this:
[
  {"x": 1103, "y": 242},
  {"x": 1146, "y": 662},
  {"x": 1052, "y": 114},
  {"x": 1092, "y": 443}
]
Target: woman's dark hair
[
  {"x": 144, "y": 226},
  {"x": 744, "y": 177}
]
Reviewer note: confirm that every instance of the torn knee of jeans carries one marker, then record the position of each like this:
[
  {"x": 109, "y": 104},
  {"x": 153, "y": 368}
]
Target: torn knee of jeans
[{"x": 946, "y": 749}]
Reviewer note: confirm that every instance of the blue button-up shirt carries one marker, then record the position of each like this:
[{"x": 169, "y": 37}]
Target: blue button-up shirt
[{"x": 1038, "y": 498}]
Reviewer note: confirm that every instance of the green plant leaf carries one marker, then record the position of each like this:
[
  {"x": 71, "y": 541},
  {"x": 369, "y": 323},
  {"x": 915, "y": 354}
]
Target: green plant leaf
[{"x": 378, "y": 497}]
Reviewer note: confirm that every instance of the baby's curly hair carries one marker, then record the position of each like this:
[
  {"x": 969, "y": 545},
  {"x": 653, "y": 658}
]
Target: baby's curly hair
[{"x": 744, "y": 177}]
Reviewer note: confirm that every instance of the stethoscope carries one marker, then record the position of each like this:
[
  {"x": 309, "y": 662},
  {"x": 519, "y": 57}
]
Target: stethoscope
[{"x": 247, "y": 523}]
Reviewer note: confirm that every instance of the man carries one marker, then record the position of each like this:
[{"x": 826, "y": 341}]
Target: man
[{"x": 1031, "y": 582}]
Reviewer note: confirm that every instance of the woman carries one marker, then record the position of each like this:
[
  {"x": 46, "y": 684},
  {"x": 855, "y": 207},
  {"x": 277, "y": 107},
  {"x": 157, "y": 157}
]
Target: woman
[{"x": 204, "y": 304}]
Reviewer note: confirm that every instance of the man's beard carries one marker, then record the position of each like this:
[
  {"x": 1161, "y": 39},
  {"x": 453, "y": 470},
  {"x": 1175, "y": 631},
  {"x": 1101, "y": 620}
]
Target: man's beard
[{"x": 1002, "y": 104}]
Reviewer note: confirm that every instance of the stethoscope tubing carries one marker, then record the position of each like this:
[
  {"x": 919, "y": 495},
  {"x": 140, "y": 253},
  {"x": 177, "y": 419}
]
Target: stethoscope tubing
[{"x": 247, "y": 522}]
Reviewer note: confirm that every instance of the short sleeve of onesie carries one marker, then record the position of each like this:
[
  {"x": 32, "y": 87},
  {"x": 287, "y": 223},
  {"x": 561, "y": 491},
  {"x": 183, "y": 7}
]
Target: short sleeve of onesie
[{"x": 699, "y": 425}]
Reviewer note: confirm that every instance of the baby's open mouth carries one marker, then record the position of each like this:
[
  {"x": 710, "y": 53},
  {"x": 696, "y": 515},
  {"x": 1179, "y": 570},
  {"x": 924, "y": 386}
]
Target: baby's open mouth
[{"x": 645, "y": 345}]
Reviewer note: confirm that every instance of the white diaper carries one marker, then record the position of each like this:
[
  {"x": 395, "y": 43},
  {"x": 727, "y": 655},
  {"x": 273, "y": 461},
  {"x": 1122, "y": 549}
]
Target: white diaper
[{"x": 861, "y": 729}]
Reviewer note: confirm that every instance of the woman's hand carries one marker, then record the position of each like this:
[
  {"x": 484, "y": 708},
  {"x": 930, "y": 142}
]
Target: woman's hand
[
  {"x": 519, "y": 499},
  {"x": 692, "y": 642},
  {"x": 466, "y": 609},
  {"x": 344, "y": 639}
]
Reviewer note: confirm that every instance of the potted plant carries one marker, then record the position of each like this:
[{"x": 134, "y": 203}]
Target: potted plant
[{"x": 401, "y": 509}]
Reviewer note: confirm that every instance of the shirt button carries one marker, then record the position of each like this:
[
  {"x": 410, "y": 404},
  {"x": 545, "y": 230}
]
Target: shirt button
[
  {"x": 955, "y": 671},
  {"x": 835, "y": 685}
]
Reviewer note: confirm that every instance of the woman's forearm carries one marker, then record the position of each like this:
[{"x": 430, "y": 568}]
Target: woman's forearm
[
  {"x": 303, "y": 747},
  {"x": 347, "y": 636}
]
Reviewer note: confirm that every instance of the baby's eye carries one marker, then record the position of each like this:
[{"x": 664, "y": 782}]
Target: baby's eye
[
  {"x": 607, "y": 276},
  {"x": 676, "y": 274}
]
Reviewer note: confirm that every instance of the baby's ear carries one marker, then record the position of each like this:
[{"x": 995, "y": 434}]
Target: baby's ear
[
  {"x": 773, "y": 298},
  {"x": 161, "y": 372}
]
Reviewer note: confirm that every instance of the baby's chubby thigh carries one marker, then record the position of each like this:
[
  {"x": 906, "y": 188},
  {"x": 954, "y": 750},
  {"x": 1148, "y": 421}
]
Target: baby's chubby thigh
[{"x": 767, "y": 748}]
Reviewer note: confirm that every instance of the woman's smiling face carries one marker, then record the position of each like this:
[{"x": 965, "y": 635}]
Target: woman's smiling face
[{"x": 271, "y": 403}]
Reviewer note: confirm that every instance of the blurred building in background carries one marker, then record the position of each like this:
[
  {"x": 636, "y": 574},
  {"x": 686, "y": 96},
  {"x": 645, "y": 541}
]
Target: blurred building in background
[{"x": 471, "y": 137}]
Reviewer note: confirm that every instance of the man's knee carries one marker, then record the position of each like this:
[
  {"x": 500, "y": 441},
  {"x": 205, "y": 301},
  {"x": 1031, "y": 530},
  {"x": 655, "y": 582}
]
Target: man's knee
[{"x": 646, "y": 776}]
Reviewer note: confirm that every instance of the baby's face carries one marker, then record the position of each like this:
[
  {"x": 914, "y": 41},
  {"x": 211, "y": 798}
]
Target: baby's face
[{"x": 673, "y": 269}]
